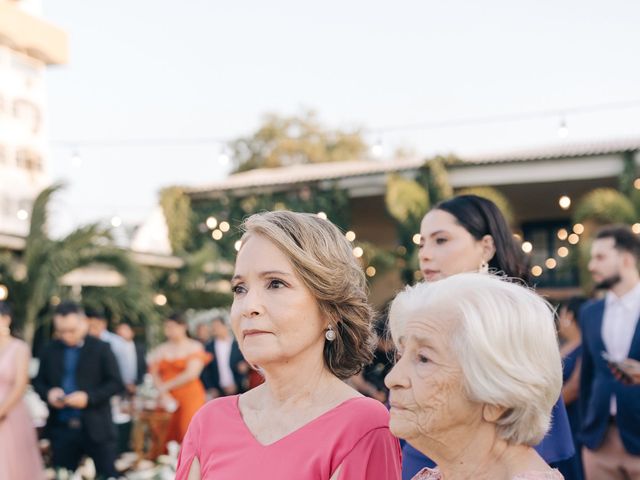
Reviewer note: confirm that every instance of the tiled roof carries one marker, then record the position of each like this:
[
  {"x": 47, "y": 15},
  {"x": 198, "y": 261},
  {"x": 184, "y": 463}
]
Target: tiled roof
[{"x": 268, "y": 177}]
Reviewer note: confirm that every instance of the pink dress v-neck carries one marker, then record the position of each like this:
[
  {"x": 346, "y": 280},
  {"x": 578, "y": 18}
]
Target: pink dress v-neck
[{"x": 354, "y": 436}]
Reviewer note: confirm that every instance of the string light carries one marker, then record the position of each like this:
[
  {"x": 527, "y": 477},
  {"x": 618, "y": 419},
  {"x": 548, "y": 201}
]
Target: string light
[
  {"x": 563, "y": 234},
  {"x": 216, "y": 234},
  {"x": 578, "y": 228},
  {"x": 322, "y": 215},
  {"x": 160, "y": 300},
  {"x": 237, "y": 245},
  {"x": 416, "y": 238},
  {"x": 376, "y": 149},
  {"x": 636, "y": 184},
  {"x": 563, "y": 129},
  {"x": 358, "y": 252},
  {"x": 536, "y": 270},
  {"x": 527, "y": 247},
  {"x": 573, "y": 239},
  {"x": 636, "y": 228},
  {"x": 563, "y": 252},
  {"x": 370, "y": 271},
  {"x": 418, "y": 126},
  {"x": 351, "y": 236},
  {"x": 565, "y": 202},
  {"x": 224, "y": 226},
  {"x": 212, "y": 223},
  {"x": 116, "y": 221},
  {"x": 76, "y": 159},
  {"x": 550, "y": 263},
  {"x": 22, "y": 214},
  {"x": 4, "y": 292}
]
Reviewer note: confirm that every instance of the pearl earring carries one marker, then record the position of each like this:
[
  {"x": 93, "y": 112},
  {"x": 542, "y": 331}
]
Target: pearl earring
[
  {"x": 484, "y": 268},
  {"x": 330, "y": 334}
]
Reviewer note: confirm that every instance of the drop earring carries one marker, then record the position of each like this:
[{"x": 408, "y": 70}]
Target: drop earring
[
  {"x": 484, "y": 268},
  {"x": 330, "y": 334}
]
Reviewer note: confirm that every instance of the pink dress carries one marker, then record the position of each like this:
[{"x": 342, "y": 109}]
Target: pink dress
[
  {"x": 354, "y": 436},
  {"x": 19, "y": 454},
  {"x": 434, "y": 474}
]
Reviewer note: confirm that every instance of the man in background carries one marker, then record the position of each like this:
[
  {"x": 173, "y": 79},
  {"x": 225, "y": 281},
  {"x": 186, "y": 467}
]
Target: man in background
[
  {"x": 610, "y": 408},
  {"x": 226, "y": 374},
  {"x": 78, "y": 375}
]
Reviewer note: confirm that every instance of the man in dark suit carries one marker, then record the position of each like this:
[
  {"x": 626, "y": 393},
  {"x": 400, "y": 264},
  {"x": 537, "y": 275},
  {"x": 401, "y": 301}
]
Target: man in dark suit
[
  {"x": 227, "y": 373},
  {"x": 78, "y": 375},
  {"x": 610, "y": 407}
]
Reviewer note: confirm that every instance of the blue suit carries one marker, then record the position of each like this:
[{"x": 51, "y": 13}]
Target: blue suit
[{"x": 597, "y": 385}]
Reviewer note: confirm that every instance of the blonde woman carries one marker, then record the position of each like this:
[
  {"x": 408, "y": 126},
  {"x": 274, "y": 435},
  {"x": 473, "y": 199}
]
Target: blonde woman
[{"x": 300, "y": 315}]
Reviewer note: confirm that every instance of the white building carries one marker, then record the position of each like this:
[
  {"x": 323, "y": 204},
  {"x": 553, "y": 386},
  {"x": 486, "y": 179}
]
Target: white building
[{"x": 28, "y": 44}]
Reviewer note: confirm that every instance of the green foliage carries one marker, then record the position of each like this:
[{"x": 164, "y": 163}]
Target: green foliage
[
  {"x": 495, "y": 196},
  {"x": 311, "y": 199},
  {"x": 628, "y": 175},
  {"x": 34, "y": 281},
  {"x": 177, "y": 213},
  {"x": 436, "y": 178},
  {"x": 406, "y": 200},
  {"x": 605, "y": 205},
  {"x": 282, "y": 141}
]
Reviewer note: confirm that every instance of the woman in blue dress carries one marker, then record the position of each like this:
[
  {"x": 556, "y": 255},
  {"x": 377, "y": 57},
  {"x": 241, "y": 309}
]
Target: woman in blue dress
[
  {"x": 469, "y": 233},
  {"x": 571, "y": 351}
]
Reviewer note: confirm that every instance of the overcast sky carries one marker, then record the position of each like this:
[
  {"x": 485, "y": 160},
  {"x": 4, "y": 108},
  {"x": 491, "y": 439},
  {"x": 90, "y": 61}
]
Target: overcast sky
[{"x": 202, "y": 68}]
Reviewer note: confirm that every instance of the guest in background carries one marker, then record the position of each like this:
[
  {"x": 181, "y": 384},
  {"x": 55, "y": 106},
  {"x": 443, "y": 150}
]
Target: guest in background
[
  {"x": 226, "y": 374},
  {"x": 133, "y": 368},
  {"x": 19, "y": 454},
  {"x": 571, "y": 352},
  {"x": 78, "y": 376},
  {"x": 370, "y": 381},
  {"x": 99, "y": 328},
  {"x": 203, "y": 332},
  {"x": 610, "y": 409},
  {"x": 468, "y": 233},
  {"x": 176, "y": 366},
  {"x": 134, "y": 353}
]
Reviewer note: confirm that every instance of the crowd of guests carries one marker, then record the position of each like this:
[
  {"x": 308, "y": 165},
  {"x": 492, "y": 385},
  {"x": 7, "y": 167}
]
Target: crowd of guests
[{"x": 470, "y": 375}]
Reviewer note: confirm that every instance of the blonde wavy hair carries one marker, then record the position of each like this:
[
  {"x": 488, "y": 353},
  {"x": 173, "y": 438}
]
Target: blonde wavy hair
[{"x": 322, "y": 258}]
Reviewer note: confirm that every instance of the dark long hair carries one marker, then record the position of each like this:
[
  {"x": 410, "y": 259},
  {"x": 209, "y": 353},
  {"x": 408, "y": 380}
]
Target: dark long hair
[
  {"x": 480, "y": 216},
  {"x": 5, "y": 309}
]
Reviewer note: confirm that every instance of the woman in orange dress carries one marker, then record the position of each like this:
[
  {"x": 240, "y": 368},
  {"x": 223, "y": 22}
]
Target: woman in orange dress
[{"x": 176, "y": 366}]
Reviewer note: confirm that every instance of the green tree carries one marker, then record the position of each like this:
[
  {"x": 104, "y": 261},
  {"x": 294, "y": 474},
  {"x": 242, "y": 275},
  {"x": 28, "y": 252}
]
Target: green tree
[
  {"x": 176, "y": 207},
  {"x": 34, "y": 280},
  {"x": 293, "y": 140}
]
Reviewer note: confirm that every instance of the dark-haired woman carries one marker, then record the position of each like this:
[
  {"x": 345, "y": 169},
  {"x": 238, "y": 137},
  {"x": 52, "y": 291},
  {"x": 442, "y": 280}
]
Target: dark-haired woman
[
  {"x": 19, "y": 454},
  {"x": 468, "y": 233},
  {"x": 176, "y": 366}
]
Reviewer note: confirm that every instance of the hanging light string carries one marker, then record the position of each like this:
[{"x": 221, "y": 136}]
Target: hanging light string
[{"x": 560, "y": 113}]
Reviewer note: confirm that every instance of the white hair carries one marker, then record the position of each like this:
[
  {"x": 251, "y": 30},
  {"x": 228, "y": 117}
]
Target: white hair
[{"x": 505, "y": 340}]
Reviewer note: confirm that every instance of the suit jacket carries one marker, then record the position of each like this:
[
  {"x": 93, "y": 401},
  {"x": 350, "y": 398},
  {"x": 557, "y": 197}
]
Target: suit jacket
[
  {"x": 97, "y": 374},
  {"x": 597, "y": 384},
  {"x": 142, "y": 363},
  {"x": 210, "y": 376}
]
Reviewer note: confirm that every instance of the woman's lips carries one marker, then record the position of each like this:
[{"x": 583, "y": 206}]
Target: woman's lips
[
  {"x": 430, "y": 274},
  {"x": 253, "y": 333}
]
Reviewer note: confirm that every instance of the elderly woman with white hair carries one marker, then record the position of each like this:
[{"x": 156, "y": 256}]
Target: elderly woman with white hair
[{"x": 478, "y": 373}]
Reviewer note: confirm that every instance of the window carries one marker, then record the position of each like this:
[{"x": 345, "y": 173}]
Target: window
[{"x": 27, "y": 112}]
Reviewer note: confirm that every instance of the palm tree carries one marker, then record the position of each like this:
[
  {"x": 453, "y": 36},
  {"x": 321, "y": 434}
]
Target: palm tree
[{"x": 46, "y": 260}]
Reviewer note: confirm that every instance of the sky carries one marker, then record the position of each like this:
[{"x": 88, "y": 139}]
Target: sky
[{"x": 165, "y": 69}]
